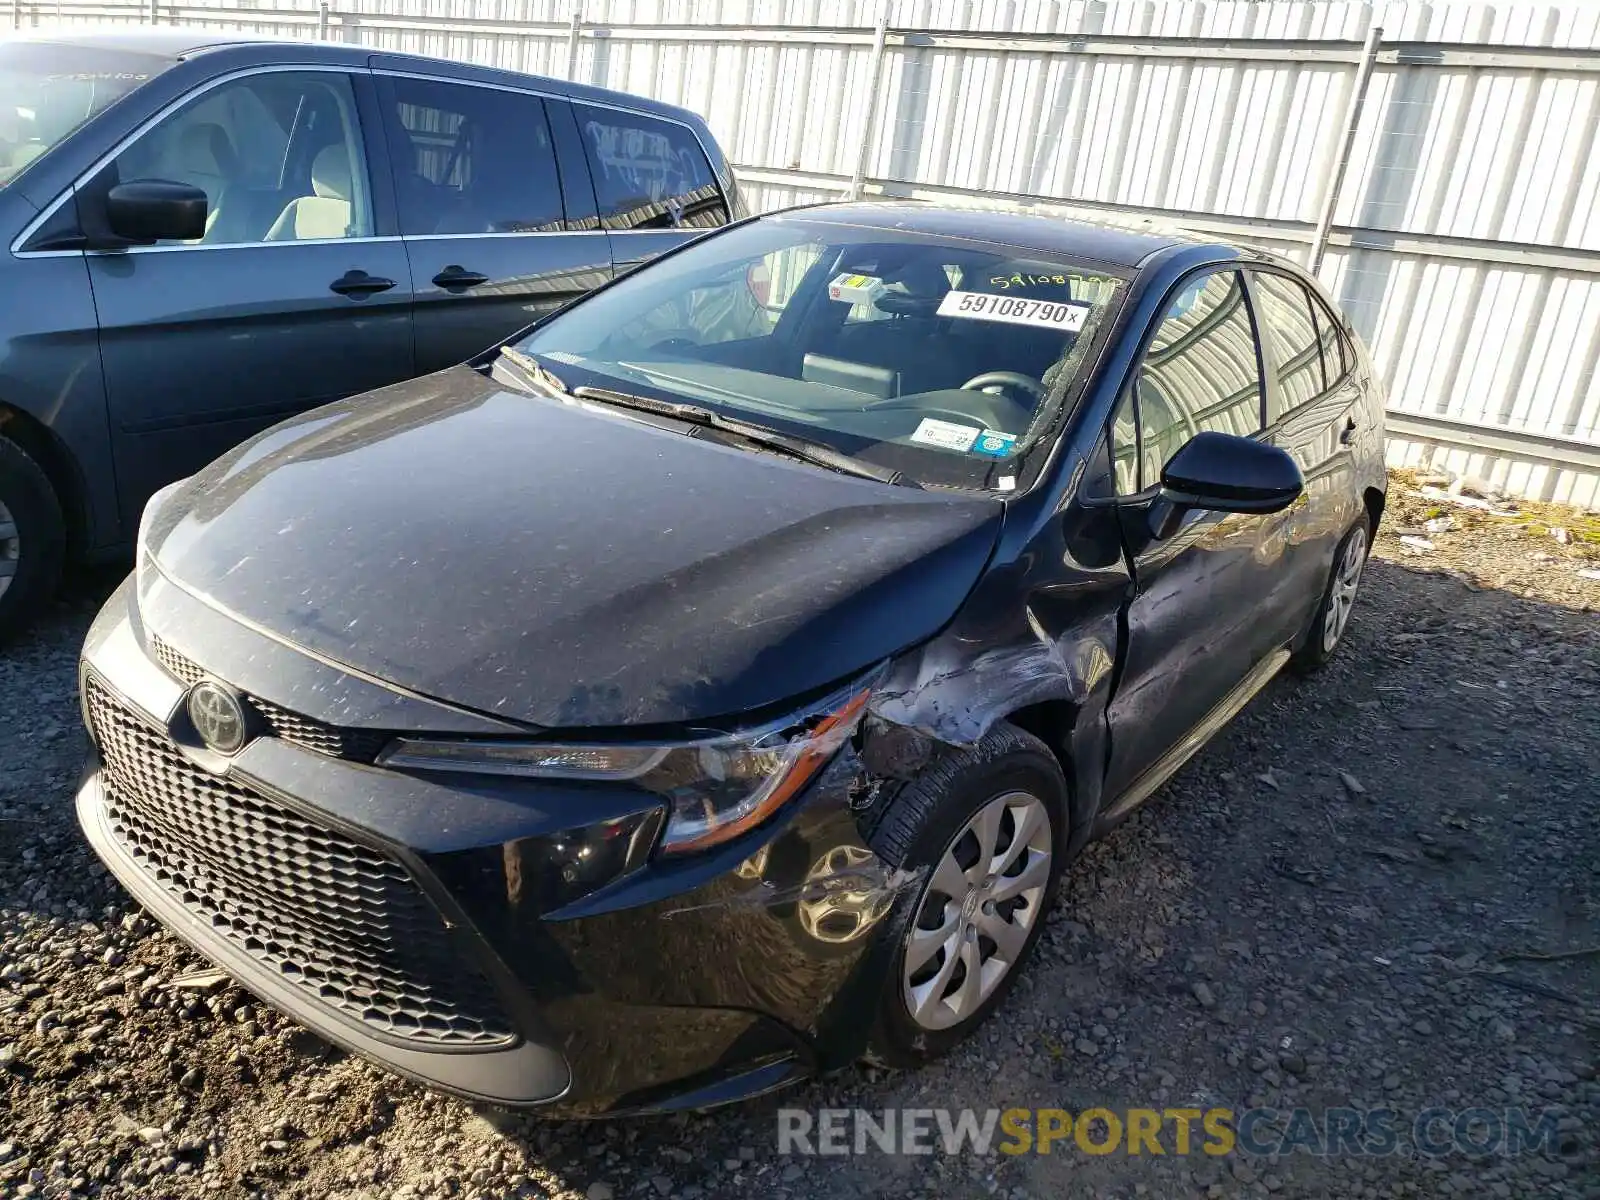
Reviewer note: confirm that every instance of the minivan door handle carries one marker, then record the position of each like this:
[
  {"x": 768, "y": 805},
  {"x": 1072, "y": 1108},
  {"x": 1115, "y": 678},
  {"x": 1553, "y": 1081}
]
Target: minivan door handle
[
  {"x": 359, "y": 283},
  {"x": 454, "y": 278}
]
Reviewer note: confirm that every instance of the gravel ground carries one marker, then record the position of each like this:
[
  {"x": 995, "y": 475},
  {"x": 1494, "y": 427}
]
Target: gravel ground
[{"x": 1341, "y": 902}]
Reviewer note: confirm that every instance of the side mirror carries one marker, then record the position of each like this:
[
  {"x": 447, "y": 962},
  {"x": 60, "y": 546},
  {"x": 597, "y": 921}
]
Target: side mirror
[
  {"x": 156, "y": 210},
  {"x": 1225, "y": 473}
]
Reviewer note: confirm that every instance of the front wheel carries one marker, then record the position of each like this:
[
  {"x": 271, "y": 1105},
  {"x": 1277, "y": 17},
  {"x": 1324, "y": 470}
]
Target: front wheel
[
  {"x": 1332, "y": 617},
  {"x": 32, "y": 539},
  {"x": 985, "y": 827}
]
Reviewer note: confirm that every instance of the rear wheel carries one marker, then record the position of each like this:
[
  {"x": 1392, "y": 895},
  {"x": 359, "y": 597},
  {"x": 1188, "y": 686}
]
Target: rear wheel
[
  {"x": 985, "y": 827},
  {"x": 1338, "y": 599},
  {"x": 33, "y": 539}
]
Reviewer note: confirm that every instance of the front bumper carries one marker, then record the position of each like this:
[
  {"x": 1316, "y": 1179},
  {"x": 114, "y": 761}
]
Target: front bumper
[{"x": 341, "y": 893}]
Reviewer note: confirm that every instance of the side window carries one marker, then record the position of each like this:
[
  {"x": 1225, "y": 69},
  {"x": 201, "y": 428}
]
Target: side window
[
  {"x": 1290, "y": 330},
  {"x": 471, "y": 160},
  {"x": 278, "y": 155},
  {"x": 648, "y": 174},
  {"x": 1201, "y": 371},
  {"x": 1337, "y": 355},
  {"x": 726, "y": 308}
]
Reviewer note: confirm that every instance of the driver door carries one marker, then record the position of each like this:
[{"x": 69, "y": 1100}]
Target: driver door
[{"x": 1194, "y": 627}]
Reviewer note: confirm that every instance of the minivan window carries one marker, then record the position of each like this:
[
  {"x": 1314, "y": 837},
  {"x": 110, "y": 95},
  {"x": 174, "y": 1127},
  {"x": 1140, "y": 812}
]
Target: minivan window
[
  {"x": 471, "y": 160},
  {"x": 649, "y": 174},
  {"x": 47, "y": 91},
  {"x": 974, "y": 351},
  {"x": 278, "y": 155}
]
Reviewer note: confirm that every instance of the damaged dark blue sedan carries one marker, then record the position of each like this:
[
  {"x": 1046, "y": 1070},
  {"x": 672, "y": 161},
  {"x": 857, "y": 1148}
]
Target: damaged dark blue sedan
[{"x": 709, "y": 686}]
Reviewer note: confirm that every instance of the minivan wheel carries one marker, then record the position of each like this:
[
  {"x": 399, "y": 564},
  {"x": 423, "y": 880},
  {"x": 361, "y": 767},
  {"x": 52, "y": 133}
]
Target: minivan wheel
[
  {"x": 985, "y": 828},
  {"x": 33, "y": 539},
  {"x": 1332, "y": 617}
]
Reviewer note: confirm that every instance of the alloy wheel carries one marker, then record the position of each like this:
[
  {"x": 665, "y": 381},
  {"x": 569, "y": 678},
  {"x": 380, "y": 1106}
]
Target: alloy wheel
[
  {"x": 984, "y": 897},
  {"x": 1346, "y": 582},
  {"x": 10, "y": 548}
]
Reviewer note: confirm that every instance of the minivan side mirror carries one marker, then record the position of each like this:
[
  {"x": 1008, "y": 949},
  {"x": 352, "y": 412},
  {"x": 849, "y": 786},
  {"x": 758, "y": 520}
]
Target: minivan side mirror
[
  {"x": 156, "y": 210},
  {"x": 1225, "y": 473}
]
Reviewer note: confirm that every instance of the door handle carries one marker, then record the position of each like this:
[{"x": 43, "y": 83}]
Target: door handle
[
  {"x": 454, "y": 278},
  {"x": 359, "y": 284},
  {"x": 1348, "y": 434}
]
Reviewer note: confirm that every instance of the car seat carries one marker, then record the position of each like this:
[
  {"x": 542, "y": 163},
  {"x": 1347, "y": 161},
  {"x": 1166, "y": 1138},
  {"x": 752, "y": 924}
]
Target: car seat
[{"x": 325, "y": 214}]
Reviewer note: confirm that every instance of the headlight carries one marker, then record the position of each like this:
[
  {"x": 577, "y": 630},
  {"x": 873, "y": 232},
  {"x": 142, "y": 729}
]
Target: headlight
[{"x": 715, "y": 789}]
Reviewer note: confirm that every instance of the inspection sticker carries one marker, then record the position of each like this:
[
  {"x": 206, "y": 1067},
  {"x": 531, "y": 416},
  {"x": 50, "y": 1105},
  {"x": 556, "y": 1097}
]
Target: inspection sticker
[
  {"x": 948, "y": 434},
  {"x": 994, "y": 443},
  {"x": 1016, "y": 310}
]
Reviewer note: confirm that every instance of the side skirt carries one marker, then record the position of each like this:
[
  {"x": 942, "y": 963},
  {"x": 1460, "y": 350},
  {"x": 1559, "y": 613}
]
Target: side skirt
[{"x": 1142, "y": 788}]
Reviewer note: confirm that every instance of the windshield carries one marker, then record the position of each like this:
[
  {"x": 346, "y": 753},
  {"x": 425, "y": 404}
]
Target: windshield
[
  {"x": 48, "y": 90},
  {"x": 938, "y": 357}
]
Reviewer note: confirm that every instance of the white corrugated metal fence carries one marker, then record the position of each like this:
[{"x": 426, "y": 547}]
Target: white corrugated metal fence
[{"x": 1454, "y": 211}]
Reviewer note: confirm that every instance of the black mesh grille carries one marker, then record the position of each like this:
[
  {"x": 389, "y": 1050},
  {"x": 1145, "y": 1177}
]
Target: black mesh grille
[
  {"x": 358, "y": 745},
  {"x": 344, "y": 922}
]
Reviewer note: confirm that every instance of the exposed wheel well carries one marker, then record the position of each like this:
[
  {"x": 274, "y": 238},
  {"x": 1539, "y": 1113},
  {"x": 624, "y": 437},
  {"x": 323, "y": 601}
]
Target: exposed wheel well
[
  {"x": 56, "y": 462},
  {"x": 1374, "y": 501},
  {"x": 1051, "y": 721}
]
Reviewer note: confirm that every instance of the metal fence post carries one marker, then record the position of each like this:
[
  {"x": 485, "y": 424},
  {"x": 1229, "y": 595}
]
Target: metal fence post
[
  {"x": 323, "y": 16},
  {"x": 150, "y": 15},
  {"x": 574, "y": 31},
  {"x": 874, "y": 87},
  {"x": 1352, "y": 123},
  {"x": 16, "y": 14}
]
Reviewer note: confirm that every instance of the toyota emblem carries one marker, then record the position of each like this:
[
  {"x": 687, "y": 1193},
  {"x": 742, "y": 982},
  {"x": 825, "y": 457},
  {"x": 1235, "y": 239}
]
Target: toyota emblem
[{"x": 218, "y": 717}]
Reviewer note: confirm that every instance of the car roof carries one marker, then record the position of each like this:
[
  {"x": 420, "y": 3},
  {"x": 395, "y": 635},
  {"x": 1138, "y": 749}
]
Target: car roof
[
  {"x": 176, "y": 44},
  {"x": 1121, "y": 242}
]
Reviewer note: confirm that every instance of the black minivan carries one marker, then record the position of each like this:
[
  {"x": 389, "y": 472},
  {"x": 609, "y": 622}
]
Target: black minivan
[{"x": 208, "y": 234}]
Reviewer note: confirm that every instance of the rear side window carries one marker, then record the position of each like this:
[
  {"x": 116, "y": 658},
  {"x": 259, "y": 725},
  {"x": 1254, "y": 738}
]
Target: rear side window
[
  {"x": 1289, "y": 325},
  {"x": 649, "y": 174},
  {"x": 471, "y": 160},
  {"x": 1338, "y": 357}
]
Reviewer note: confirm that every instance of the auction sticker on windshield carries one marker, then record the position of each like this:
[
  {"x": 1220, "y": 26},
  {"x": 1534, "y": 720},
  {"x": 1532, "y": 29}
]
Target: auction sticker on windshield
[{"x": 1017, "y": 310}]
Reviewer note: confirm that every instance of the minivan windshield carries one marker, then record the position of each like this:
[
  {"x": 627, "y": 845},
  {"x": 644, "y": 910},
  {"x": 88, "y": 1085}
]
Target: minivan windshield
[
  {"x": 47, "y": 90},
  {"x": 940, "y": 358}
]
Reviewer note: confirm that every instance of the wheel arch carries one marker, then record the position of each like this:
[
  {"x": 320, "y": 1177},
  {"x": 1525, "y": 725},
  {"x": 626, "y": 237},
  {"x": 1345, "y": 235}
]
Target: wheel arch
[{"x": 60, "y": 468}]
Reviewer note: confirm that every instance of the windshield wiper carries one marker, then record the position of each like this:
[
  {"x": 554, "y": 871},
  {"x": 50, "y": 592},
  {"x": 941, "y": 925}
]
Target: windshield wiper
[
  {"x": 816, "y": 453},
  {"x": 534, "y": 369}
]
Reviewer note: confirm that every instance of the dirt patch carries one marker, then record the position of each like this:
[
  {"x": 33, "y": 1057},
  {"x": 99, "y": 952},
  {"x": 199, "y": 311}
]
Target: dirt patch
[{"x": 1379, "y": 888}]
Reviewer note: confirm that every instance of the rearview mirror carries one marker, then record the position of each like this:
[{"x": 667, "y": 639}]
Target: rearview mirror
[
  {"x": 1224, "y": 473},
  {"x": 156, "y": 210}
]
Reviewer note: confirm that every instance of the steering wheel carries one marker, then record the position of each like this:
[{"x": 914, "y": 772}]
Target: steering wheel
[
  {"x": 674, "y": 340},
  {"x": 1034, "y": 387}
]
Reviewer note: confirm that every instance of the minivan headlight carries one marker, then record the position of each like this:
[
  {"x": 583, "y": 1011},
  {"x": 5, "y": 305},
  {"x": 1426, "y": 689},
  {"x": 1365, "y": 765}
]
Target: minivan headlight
[{"x": 715, "y": 789}]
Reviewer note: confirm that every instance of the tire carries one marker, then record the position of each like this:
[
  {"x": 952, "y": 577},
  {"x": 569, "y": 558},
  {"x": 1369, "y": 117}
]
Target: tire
[
  {"x": 1332, "y": 618},
  {"x": 33, "y": 539},
  {"x": 932, "y": 826}
]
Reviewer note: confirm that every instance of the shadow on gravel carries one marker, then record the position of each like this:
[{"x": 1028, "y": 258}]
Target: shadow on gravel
[{"x": 1357, "y": 896}]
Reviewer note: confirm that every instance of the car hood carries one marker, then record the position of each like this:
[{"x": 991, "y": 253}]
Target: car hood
[{"x": 561, "y": 566}]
